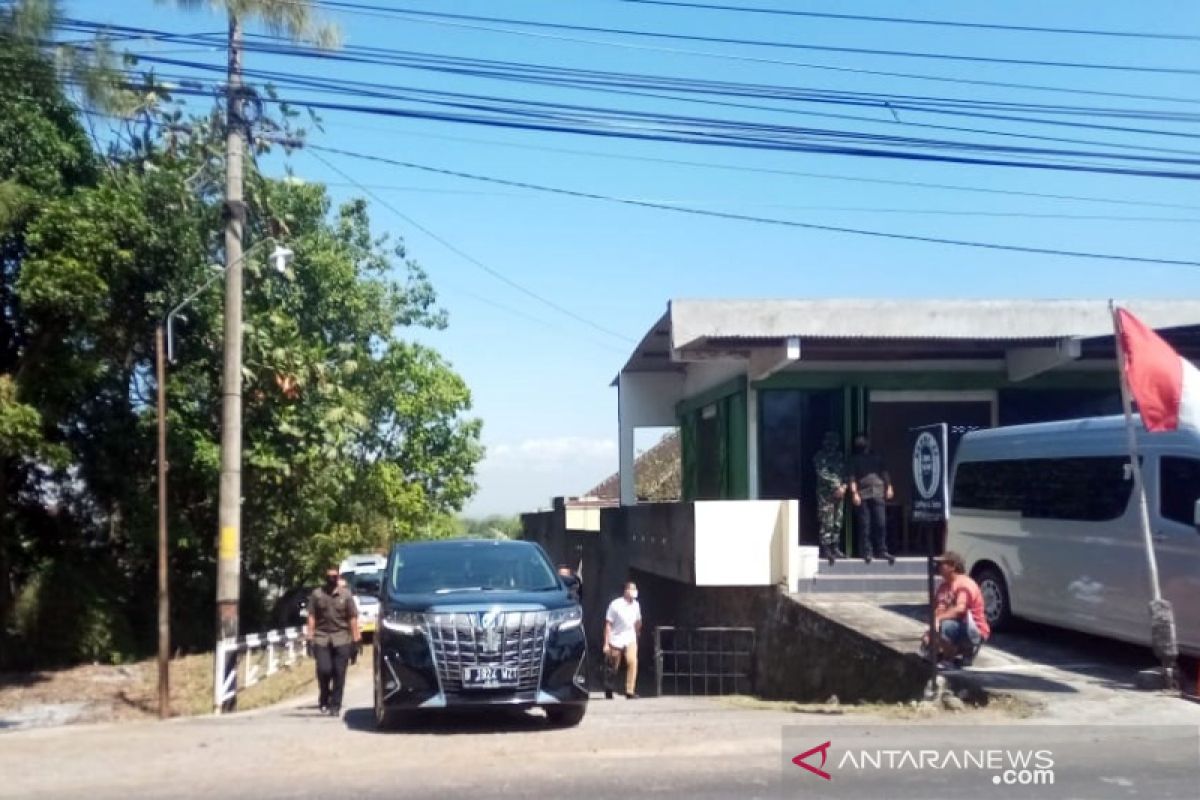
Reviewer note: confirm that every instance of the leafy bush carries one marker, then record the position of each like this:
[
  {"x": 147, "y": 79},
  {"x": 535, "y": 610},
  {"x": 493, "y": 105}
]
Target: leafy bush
[{"x": 72, "y": 612}]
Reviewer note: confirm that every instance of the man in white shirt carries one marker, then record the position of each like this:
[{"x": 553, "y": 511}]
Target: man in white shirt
[{"x": 622, "y": 627}]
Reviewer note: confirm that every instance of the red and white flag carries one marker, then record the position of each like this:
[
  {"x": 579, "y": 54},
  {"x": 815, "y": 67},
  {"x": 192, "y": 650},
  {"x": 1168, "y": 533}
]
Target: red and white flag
[{"x": 1165, "y": 384}]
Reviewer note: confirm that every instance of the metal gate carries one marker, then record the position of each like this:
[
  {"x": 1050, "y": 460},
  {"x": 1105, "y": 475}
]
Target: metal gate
[{"x": 704, "y": 661}]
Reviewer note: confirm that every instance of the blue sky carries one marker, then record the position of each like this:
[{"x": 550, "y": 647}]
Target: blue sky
[{"x": 541, "y": 379}]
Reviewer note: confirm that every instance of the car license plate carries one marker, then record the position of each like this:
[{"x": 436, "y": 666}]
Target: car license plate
[{"x": 489, "y": 677}]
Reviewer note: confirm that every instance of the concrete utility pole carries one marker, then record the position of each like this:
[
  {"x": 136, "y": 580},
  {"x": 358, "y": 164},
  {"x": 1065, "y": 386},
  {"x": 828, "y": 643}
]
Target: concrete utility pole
[
  {"x": 164, "y": 601},
  {"x": 229, "y": 514}
]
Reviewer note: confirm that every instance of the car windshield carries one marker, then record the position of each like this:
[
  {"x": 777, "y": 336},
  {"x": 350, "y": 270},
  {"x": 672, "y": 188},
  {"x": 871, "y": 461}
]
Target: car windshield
[
  {"x": 365, "y": 583},
  {"x": 471, "y": 566}
]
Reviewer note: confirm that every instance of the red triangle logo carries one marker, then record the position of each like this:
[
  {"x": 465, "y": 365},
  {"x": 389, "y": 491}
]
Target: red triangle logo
[{"x": 823, "y": 749}]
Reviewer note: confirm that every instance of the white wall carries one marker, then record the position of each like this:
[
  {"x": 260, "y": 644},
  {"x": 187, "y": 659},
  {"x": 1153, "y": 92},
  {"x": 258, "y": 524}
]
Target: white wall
[
  {"x": 583, "y": 519},
  {"x": 704, "y": 375},
  {"x": 644, "y": 400},
  {"x": 747, "y": 543}
]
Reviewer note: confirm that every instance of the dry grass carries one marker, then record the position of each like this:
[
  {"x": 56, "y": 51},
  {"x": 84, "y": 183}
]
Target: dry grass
[
  {"x": 130, "y": 692},
  {"x": 192, "y": 686}
]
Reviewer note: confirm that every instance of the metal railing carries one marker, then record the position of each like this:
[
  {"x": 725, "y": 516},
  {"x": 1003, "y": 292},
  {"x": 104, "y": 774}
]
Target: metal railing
[
  {"x": 256, "y": 656},
  {"x": 704, "y": 661}
]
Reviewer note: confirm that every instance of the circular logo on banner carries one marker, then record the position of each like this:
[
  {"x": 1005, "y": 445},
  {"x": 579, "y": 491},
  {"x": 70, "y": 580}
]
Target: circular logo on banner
[{"x": 927, "y": 465}]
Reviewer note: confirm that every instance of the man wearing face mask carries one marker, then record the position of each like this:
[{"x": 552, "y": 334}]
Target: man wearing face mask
[
  {"x": 622, "y": 627},
  {"x": 870, "y": 490},
  {"x": 334, "y": 638}
]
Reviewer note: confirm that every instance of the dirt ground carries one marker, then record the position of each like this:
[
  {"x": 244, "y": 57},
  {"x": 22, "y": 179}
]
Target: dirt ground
[{"x": 129, "y": 692}]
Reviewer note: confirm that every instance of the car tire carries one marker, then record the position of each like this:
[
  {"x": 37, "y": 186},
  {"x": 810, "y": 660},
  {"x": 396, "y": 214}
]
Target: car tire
[
  {"x": 386, "y": 719},
  {"x": 996, "y": 604},
  {"x": 566, "y": 716}
]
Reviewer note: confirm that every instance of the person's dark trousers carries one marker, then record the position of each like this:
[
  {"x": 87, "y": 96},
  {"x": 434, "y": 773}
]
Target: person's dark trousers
[
  {"x": 331, "y": 673},
  {"x": 870, "y": 521}
]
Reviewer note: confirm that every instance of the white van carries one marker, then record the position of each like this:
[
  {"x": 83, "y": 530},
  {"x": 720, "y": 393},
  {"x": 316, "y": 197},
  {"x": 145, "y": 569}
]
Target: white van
[
  {"x": 364, "y": 575},
  {"x": 1045, "y": 517}
]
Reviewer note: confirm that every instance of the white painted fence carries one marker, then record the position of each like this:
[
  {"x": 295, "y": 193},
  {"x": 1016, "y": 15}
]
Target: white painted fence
[{"x": 257, "y": 656}]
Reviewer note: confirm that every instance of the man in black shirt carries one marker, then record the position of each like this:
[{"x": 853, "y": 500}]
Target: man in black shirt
[
  {"x": 870, "y": 489},
  {"x": 334, "y": 637}
]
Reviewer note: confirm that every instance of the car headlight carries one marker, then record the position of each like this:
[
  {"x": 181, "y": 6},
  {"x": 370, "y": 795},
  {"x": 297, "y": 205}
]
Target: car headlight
[
  {"x": 404, "y": 621},
  {"x": 564, "y": 619}
]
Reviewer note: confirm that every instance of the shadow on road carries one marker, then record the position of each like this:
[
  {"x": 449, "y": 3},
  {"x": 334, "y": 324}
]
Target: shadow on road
[{"x": 452, "y": 722}]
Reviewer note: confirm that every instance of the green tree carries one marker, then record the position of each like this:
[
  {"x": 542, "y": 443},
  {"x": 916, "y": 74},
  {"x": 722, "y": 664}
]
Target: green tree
[
  {"x": 292, "y": 18},
  {"x": 44, "y": 154},
  {"x": 488, "y": 527},
  {"x": 355, "y": 435}
]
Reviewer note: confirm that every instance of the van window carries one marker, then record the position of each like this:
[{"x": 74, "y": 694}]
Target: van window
[
  {"x": 990, "y": 486},
  {"x": 1087, "y": 489},
  {"x": 1178, "y": 488}
]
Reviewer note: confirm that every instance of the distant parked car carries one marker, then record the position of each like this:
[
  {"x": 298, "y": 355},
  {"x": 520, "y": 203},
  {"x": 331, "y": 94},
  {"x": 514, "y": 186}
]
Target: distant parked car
[
  {"x": 291, "y": 609},
  {"x": 364, "y": 576}
]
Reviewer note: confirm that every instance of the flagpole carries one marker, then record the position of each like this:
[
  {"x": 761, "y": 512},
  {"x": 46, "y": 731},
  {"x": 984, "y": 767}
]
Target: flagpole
[{"x": 1162, "y": 616}]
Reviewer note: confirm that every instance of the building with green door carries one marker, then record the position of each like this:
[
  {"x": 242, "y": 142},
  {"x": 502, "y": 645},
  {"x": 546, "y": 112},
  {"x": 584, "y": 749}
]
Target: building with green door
[{"x": 753, "y": 386}]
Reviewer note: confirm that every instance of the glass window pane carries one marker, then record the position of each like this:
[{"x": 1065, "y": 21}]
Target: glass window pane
[{"x": 1179, "y": 488}]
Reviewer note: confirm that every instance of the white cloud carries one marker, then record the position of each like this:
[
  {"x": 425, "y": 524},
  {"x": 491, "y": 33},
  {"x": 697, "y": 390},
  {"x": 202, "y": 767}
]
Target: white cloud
[
  {"x": 551, "y": 452},
  {"x": 524, "y": 475}
]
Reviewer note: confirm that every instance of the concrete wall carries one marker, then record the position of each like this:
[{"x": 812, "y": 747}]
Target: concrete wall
[
  {"x": 800, "y": 654},
  {"x": 803, "y": 655},
  {"x": 662, "y": 538}
]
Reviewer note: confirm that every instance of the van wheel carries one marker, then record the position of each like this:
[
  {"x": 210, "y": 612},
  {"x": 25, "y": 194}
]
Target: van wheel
[{"x": 996, "y": 606}]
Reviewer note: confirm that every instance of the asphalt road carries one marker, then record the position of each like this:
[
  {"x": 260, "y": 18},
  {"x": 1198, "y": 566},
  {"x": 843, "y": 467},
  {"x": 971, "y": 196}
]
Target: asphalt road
[
  {"x": 651, "y": 747},
  {"x": 662, "y": 747}
]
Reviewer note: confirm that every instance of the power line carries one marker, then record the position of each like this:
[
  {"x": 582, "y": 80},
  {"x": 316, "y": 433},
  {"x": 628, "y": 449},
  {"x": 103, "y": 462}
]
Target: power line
[
  {"x": 588, "y": 78},
  {"x": 763, "y": 220},
  {"x": 379, "y": 90},
  {"x": 781, "y": 172},
  {"x": 913, "y": 21},
  {"x": 466, "y": 256},
  {"x": 948, "y": 212},
  {"x": 857, "y": 71},
  {"x": 458, "y": 20},
  {"x": 596, "y": 121}
]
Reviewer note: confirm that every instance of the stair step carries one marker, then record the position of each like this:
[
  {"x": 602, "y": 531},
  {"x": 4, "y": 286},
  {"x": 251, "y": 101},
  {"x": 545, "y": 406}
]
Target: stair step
[
  {"x": 856, "y": 566},
  {"x": 866, "y": 584}
]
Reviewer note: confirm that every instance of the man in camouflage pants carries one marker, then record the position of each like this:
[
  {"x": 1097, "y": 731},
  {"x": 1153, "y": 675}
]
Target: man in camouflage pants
[{"x": 830, "y": 464}]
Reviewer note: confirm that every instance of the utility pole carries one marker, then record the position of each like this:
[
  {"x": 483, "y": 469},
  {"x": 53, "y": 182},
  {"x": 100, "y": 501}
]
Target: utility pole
[
  {"x": 164, "y": 601},
  {"x": 229, "y": 513}
]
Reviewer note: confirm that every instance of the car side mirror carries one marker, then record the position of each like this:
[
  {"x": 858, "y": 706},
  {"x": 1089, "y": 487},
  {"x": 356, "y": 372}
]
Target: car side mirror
[{"x": 572, "y": 583}]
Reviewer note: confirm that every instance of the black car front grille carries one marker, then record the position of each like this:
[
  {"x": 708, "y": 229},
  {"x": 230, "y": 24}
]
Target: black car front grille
[{"x": 512, "y": 639}]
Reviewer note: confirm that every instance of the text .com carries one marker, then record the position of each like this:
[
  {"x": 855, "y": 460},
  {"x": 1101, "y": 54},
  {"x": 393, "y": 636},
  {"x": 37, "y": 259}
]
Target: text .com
[{"x": 1024, "y": 777}]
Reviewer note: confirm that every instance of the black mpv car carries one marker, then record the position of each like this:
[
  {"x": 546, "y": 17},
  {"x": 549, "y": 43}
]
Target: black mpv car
[{"x": 471, "y": 623}]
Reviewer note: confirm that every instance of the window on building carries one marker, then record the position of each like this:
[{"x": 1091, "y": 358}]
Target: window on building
[
  {"x": 1091, "y": 489},
  {"x": 710, "y": 450},
  {"x": 1178, "y": 488},
  {"x": 781, "y": 425}
]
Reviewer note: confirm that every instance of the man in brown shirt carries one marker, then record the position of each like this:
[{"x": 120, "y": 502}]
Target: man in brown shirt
[{"x": 333, "y": 632}]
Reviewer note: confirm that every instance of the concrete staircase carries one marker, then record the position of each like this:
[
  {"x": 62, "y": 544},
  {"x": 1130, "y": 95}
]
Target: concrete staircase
[{"x": 854, "y": 576}]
